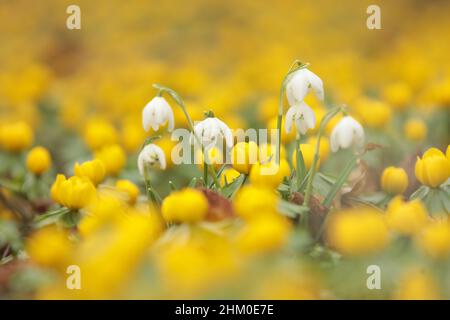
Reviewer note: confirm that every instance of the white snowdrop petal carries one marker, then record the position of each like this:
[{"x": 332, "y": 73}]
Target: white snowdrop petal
[{"x": 316, "y": 83}]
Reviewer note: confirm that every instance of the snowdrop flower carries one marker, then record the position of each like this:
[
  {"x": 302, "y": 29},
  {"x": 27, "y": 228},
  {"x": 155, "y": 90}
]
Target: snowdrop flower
[
  {"x": 210, "y": 130},
  {"x": 303, "y": 116},
  {"x": 153, "y": 156},
  {"x": 300, "y": 83},
  {"x": 156, "y": 113},
  {"x": 348, "y": 132}
]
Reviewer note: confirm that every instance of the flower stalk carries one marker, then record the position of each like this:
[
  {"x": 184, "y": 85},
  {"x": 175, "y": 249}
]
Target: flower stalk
[{"x": 161, "y": 89}]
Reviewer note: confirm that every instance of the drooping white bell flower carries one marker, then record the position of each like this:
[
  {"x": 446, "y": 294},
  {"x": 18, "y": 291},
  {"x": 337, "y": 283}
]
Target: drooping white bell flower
[
  {"x": 210, "y": 130},
  {"x": 347, "y": 133},
  {"x": 156, "y": 113},
  {"x": 300, "y": 83},
  {"x": 303, "y": 116},
  {"x": 153, "y": 156}
]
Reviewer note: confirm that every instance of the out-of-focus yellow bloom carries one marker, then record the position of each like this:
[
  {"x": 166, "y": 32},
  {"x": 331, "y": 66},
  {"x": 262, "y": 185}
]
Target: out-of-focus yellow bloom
[
  {"x": 113, "y": 158},
  {"x": 38, "y": 160},
  {"x": 132, "y": 137},
  {"x": 417, "y": 284},
  {"x": 167, "y": 145},
  {"x": 447, "y": 152},
  {"x": 357, "y": 231},
  {"x": 244, "y": 155},
  {"x": 94, "y": 170},
  {"x": 269, "y": 174},
  {"x": 74, "y": 193},
  {"x": 286, "y": 284},
  {"x": 228, "y": 176},
  {"x": 268, "y": 152},
  {"x": 196, "y": 266},
  {"x": 435, "y": 239},
  {"x": 415, "y": 129},
  {"x": 15, "y": 137},
  {"x": 308, "y": 155},
  {"x": 99, "y": 133},
  {"x": 394, "y": 180},
  {"x": 251, "y": 201},
  {"x": 50, "y": 247},
  {"x": 397, "y": 95},
  {"x": 129, "y": 188},
  {"x": 406, "y": 217},
  {"x": 214, "y": 157},
  {"x": 373, "y": 113},
  {"x": 264, "y": 233},
  {"x": 268, "y": 108},
  {"x": 285, "y": 137},
  {"x": 187, "y": 205},
  {"x": 324, "y": 148},
  {"x": 433, "y": 168}
]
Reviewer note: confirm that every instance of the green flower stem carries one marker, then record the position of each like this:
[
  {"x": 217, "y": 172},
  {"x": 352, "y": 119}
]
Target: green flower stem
[
  {"x": 148, "y": 187},
  {"x": 300, "y": 164},
  {"x": 181, "y": 104},
  {"x": 323, "y": 124},
  {"x": 297, "y": 65},
  {"x": 340, "y": 181}
]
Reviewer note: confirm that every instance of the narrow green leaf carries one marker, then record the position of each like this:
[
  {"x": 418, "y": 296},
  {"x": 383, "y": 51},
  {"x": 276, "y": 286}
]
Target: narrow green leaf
[{"x": 339, "y": 182}]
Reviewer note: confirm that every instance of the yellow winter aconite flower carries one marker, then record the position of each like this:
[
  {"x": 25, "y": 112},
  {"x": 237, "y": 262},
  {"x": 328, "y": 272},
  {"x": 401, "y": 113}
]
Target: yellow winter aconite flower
[
  {"x": 435, "y": 239},
  {"x": 398, "y": 95},
  {"x": 99, "y": 133},
  {"x": 394, "y": 180},
  {"x": 308, "y": 151},
  {"x": 192, "y": 267},
  {"x": 187, "y": 205},
  {"x": 15, "y": 137},
  {"x": 406, "y": 217},
  {"x": 129, "y": 188},
  {"x": 74, "y": 193},
  {"x": 252, "y": 200},
  {"x": 264, "y": 233},
  {"x": 228, "y": 176},
  {"x": 113, "y": 158},
  {"x": 433, "y": 168},
  {"x": 375, "y": 114},
  {"x": 417, "y": 284},
  {"x": 94, "y": 170},
  {"x": 132, "y": 137},
  {"x": 357, "y": 231},
  {"x": 214, "y": 157},
  {"x": 269, "y": 174},
  {"x": 415, "y": 130},
  {"x": 50, "y": 247},
  {"x": 38, "y": 160},
  {"x": 244, "y": 155}
]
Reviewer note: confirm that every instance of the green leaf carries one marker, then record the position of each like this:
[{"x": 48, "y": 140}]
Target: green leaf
[
  {"x": 49, "y": 217},
  {"x": 339, "y": 182},
  {"x": 230, "y": 190},
  {"x": 420, "y": 193},
  {"x": 290, "y": 209}
]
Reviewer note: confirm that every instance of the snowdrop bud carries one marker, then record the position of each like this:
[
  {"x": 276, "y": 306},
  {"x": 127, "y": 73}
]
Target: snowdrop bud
[
  {"x": 303, "y": 116},
  {"x": 348, "y": 132},
  {"x": 301, "y": 82},
  {"x": 210, "y": 130},
  {"x": 156, "y": 113},
  {"x": 153, "y": 156}
]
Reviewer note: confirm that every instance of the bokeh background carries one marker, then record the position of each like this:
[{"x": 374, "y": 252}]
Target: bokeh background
[{"x": 81, "y": 89}]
